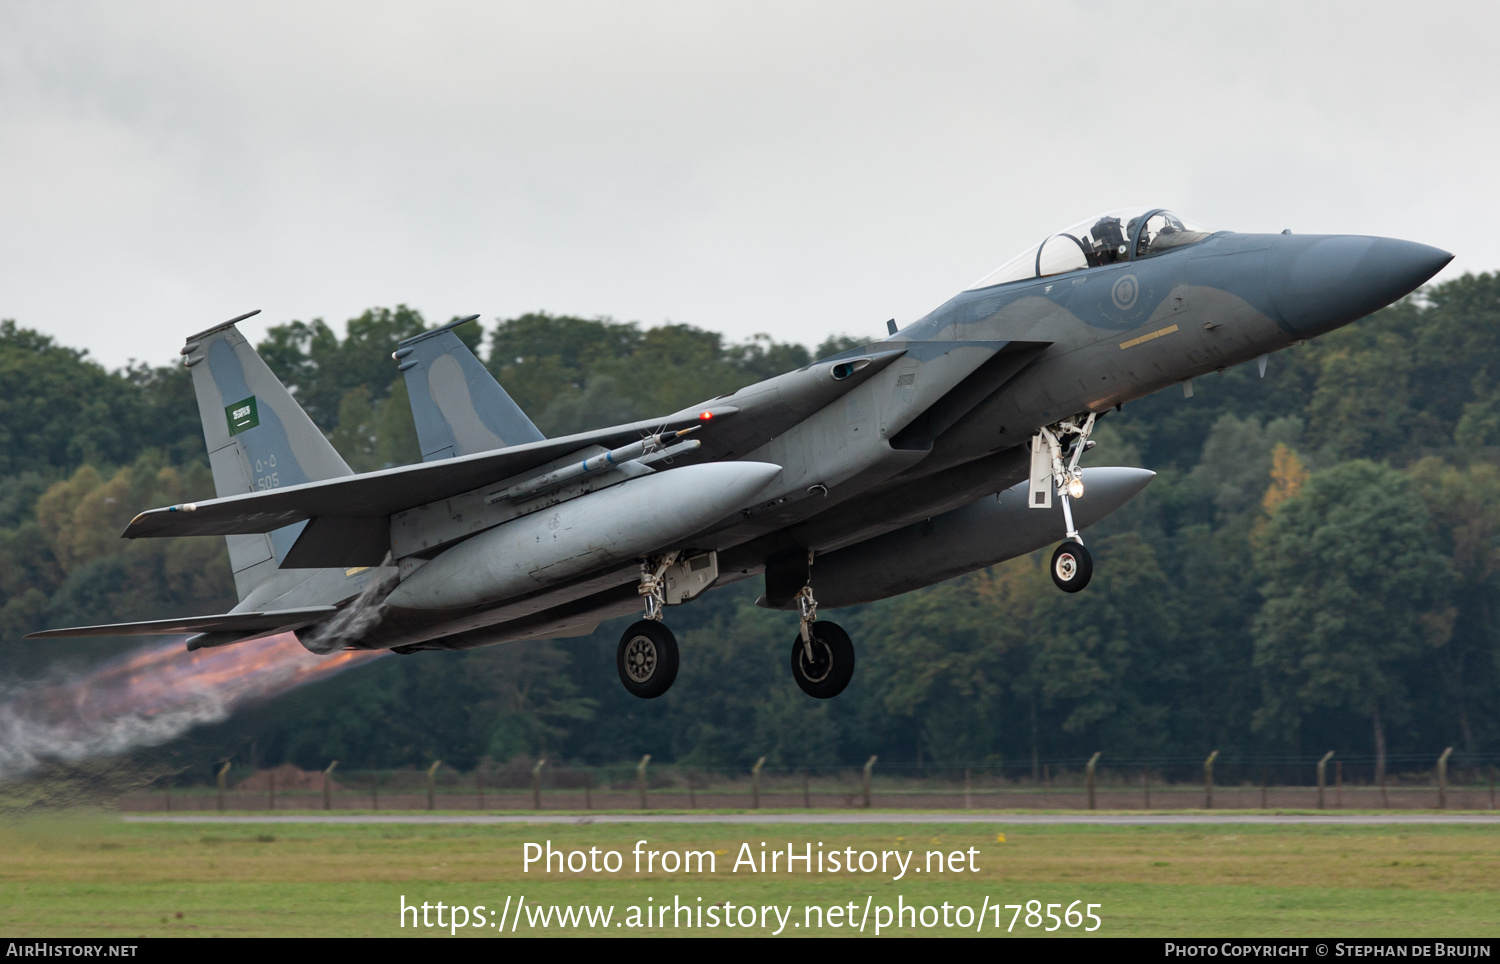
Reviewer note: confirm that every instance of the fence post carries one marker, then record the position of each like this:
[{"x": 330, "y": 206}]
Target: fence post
[
  {"x": 1492, "y": 786},
  {"x": 1146, "y": 784},
  {"x": 1208, "y": 780},
  {"x": 375, "y": 791},
  {"x": 327, "y": 788},
  {"x": 869, "y": 765},
  {"x": 968, "y": 800},
  {"x": 431, "y": 776},
  {"x": 807, "y": 794},
  {"x": 1442, "y": 775},
  {"x": 640, "y": 778},
  {"x": 1338, "y": 784},
  {"x": 1322, "y": 776},
  {"x": 1089, "y": 775},
  {"x": 224, "y": 772},
  {"x": 479, "y": 785},
  {"x": 536, "y": 783},
  {"x": 588, "y": 790},
  {"x": 1265, "y": 785},
  {"x": 755, "y": 783}
]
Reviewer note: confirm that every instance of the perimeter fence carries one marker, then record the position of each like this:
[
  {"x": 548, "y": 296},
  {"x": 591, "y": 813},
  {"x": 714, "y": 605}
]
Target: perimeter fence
[{"x": 1450, "y": 781}]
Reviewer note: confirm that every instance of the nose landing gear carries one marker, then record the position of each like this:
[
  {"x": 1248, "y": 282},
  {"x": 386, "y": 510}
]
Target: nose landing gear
[{"x": 1072, "y": 565}]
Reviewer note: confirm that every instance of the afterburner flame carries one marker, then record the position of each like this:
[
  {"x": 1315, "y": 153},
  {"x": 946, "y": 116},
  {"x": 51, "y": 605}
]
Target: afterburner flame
[{"x": 150, "y": 696}]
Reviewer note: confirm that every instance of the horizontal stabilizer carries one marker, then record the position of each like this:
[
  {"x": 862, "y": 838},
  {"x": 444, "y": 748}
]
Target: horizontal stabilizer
[
  {"x": 275, "y": 621},
  {"x": 380, "y": 494}
]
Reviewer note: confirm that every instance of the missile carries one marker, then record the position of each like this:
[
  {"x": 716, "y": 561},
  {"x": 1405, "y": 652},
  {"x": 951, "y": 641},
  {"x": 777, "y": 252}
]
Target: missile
[
  {"x": 605, "y": 528},
  {"x": 605, "y": 460},
  {"x": 980, "y": 534}
]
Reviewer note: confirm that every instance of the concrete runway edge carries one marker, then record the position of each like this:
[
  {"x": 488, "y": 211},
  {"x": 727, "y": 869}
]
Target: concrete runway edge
[{"x": 905, "y": 817}]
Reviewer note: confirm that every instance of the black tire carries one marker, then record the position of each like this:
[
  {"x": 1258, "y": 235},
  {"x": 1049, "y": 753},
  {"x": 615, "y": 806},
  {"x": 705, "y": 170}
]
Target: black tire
[
  {"x": 1072, "y": 567},
  {"x": 832, "y": 664},
  {"x": 647, "y": 659}
]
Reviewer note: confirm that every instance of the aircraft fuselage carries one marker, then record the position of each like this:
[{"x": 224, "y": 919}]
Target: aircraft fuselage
[{"x": 943, "y": 423}]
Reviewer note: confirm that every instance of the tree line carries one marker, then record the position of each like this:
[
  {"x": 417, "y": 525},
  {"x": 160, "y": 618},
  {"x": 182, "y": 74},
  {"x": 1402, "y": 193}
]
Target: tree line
[{"x": 1314, "y": 567}]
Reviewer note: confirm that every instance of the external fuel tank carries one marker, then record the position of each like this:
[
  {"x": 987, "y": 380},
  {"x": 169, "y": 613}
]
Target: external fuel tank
[
  {"x": 601, "y": 529},
  {"x": 982, "y": 533}
]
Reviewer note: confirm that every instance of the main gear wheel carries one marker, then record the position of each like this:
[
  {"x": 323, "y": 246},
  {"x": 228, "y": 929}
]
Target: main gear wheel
[
  {"x": 647, "y": 659},
  {"x": 823, "y": 664}
]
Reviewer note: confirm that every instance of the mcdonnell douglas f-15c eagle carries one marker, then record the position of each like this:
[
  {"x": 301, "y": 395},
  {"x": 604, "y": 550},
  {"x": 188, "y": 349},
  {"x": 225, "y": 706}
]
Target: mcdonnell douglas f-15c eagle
[{"x": 949, "y": 446}]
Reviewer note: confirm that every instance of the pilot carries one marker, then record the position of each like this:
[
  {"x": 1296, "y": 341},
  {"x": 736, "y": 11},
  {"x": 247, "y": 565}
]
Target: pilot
[{"x": 1109, "y": 240}]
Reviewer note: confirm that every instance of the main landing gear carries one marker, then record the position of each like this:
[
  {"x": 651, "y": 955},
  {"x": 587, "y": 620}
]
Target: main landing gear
[
  {"x": 1072, "y": 565},
  {"x": 647, "y": 655},
  {"x": 822, "y": 653},
  {"x": 647, "y": 660}
]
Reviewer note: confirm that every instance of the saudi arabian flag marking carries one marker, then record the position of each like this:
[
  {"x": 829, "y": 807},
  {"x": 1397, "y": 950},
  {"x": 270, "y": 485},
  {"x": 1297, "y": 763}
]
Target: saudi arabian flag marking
[{"x": 242, "y": 415}]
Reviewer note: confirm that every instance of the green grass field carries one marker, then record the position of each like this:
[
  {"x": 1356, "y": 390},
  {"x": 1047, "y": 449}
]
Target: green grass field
[{"x": 102, "y": 877}]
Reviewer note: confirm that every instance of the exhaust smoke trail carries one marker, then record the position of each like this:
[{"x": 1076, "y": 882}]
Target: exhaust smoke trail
[
  {"x": 149, "y": 696},
  {"x": 353, "y": 621}
]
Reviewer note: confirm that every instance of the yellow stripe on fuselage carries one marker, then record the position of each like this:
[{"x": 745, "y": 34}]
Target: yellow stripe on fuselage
[{"x": 1147, "y": 337}]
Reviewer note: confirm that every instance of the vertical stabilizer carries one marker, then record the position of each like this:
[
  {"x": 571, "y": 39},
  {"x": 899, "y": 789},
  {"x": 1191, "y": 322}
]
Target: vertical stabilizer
[
  {"x": 258, "y": 438},
  {"x": 458, "y": 406}
]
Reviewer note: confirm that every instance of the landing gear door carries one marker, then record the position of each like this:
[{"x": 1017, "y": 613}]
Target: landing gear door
[
  {"x": 1039, "y": 496},
  {"x": 689, "y": 577}
]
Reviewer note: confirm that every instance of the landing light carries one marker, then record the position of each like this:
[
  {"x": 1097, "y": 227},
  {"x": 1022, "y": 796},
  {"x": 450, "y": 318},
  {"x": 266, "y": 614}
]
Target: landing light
[
  {"x": 705, "y": 416},
  {"x": 1075, "y": 488}
]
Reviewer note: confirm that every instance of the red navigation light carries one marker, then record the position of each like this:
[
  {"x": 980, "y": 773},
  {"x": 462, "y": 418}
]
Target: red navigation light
[{"x": 705, "y": 416}]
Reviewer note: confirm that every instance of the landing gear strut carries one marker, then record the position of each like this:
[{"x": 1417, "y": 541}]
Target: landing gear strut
[
  {"x": 1072, "y": 565},
  {"x": 653, "y": 574},
  {"x": 822, "y": 653},
  {"x": 647, "y": 655}
]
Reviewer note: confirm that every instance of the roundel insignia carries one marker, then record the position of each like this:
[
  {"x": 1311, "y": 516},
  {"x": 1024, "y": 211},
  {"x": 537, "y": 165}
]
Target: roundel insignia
[{"x": 1125, "y": 291}]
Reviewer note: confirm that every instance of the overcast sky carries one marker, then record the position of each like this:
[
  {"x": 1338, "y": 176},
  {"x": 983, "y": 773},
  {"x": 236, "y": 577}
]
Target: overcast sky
[{"x": 796, "y": 169}]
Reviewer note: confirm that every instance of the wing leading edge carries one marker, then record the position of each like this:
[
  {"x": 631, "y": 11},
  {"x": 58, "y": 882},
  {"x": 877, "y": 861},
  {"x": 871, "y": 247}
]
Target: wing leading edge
[{"x": 271, "y": 621}]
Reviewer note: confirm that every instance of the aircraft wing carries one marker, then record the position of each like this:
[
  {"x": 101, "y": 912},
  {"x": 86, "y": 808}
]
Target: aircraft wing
[
  {"x": 380, "y": 494},
  {"x": 276, "y": 620}
]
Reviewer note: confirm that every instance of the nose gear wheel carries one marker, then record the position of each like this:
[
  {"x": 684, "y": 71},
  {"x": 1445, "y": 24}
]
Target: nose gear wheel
[{"x": 1072, "y": 566}]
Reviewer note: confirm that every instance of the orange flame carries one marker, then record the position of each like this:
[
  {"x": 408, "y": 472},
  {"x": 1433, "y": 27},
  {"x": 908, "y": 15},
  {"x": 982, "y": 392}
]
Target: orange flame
[{"x": 151, "y": 695}]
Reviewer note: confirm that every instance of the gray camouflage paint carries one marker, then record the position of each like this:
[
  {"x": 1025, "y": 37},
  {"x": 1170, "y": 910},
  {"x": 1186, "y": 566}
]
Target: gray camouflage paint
[
  {"x": 458, "y": 407},
  {"x": 875, "y": 447}
]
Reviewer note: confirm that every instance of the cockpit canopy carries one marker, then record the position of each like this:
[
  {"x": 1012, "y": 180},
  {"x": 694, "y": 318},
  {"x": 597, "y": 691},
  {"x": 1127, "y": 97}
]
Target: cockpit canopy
[{"x": 1127, "y": 234}]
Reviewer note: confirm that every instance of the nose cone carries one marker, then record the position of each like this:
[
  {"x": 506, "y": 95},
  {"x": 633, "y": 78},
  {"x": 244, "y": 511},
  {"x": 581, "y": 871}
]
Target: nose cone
[{"x": 1320, "y": 283}]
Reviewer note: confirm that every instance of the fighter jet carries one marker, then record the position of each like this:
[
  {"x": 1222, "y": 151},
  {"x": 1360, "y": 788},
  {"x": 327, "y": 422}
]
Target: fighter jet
[{"x": 952, "y": 444}]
